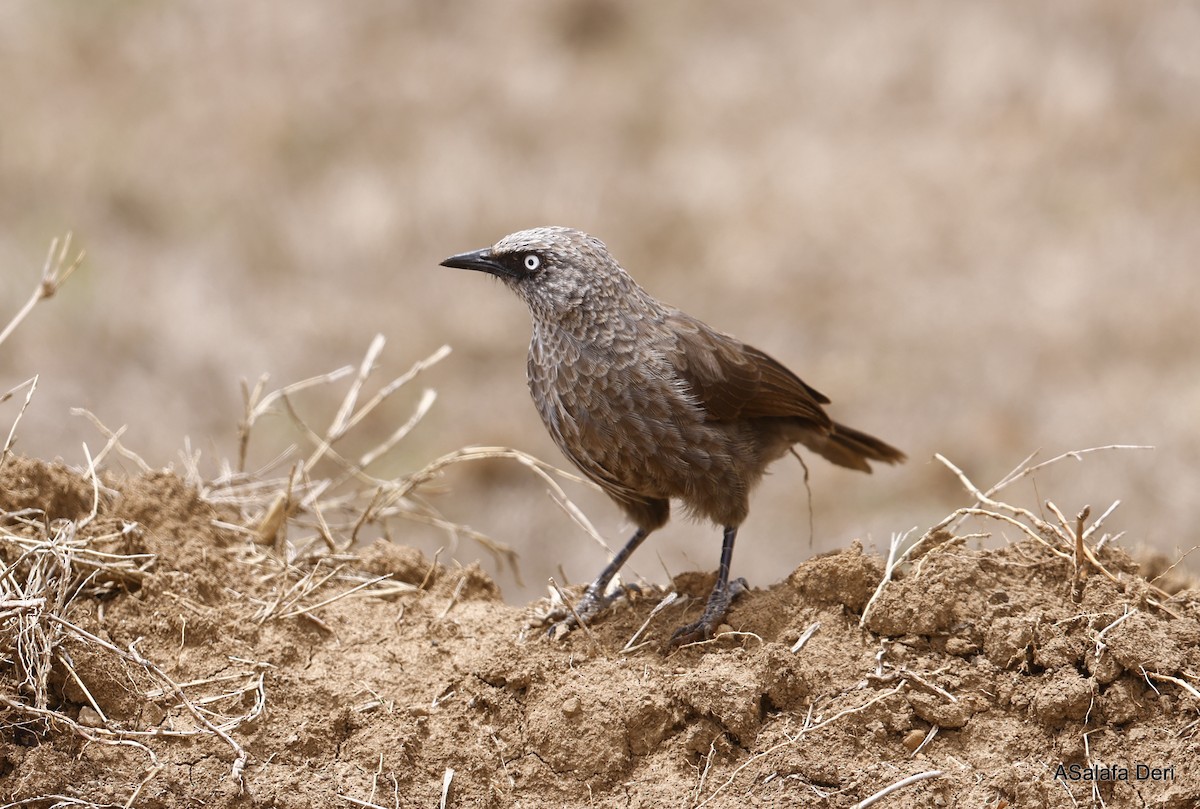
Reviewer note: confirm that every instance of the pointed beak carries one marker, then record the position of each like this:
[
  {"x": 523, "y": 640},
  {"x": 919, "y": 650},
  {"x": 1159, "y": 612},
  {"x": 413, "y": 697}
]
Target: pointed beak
[{"x": 481, "y": 260}]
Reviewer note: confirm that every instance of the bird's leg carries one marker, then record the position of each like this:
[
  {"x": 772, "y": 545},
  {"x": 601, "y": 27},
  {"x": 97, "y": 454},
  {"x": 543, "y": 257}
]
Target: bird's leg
[
  {"x": 723, "y": 594},
  {"x": 594, "y": 599}
]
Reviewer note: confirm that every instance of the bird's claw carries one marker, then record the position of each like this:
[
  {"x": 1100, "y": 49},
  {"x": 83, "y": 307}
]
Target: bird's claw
[
  {"x": 714, "y": 613},
  {"x": 565, "y": 619}
]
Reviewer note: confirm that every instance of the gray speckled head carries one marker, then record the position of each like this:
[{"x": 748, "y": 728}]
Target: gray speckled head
[
  {"x": 573, "y": 269},
  {"x": 557, "y": 271},
  {"x": 562, "y": 242}
]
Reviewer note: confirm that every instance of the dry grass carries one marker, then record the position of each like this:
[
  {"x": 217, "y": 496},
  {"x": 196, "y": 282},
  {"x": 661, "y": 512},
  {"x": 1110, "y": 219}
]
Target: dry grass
[
  {"x": 301, "y": 515},
  {"x": 52, "y": 564},
  {"x": 55, "y": 273},
  {"x": 304, "y": 523},
  {"x": 1063, "y": 538}
]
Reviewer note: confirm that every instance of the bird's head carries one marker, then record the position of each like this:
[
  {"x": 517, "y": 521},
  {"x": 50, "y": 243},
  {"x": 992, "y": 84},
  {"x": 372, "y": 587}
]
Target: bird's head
[{"x": 557, "y": 271}]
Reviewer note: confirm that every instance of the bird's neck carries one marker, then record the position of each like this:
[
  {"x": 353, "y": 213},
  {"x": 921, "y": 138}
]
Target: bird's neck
[{"x": 606, "y": 316}]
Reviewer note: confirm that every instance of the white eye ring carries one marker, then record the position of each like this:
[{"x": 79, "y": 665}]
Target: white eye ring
[{"x": 532, "y": 262}]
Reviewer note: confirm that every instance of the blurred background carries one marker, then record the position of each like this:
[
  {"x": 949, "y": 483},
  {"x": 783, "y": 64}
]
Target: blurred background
[{"x": 971, "y": 225}]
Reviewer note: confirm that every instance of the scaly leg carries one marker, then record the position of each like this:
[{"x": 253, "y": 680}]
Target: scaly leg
[{"x": 719, "y": 600}]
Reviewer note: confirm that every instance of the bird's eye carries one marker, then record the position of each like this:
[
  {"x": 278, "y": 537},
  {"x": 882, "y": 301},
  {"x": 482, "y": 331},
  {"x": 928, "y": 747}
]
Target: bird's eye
[{"x": 532, "y": 262}]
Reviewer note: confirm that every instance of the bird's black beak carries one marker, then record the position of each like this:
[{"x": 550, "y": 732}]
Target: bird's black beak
[{"x": 481, "y": 260}]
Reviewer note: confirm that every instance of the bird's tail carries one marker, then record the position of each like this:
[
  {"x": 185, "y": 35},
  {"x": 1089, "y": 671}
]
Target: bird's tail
[{"x": 852, "y": 448}]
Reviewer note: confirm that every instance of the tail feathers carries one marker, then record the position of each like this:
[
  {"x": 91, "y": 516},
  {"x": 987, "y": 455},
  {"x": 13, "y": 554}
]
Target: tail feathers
[{"x": 852, "y": 449}]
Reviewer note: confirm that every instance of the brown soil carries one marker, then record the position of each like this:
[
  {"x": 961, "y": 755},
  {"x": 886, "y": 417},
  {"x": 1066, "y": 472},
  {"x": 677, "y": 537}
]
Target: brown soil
[{"x": 380, "y": 700}]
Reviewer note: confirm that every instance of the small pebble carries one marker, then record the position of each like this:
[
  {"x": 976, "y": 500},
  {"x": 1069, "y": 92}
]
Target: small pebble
[
  {"x": 571, "y": 707},
  {"x": 89, "y": 718},
  {"x": 913, "y": 739}
]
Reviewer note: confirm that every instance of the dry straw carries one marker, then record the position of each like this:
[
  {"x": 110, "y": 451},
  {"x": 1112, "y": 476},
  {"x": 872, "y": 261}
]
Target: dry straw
[
  {"x": 1067, "y": 539},
  {"x": 301, "y": 515},
  {"x": 48, "y": 565}
]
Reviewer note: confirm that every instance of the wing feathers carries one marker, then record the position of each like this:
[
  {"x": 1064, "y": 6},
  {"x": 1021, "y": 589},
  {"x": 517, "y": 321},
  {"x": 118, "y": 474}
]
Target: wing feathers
[{"x": 732, "y": 380}]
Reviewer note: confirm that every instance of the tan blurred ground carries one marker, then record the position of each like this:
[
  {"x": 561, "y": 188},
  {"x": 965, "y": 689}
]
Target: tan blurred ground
[{"x": 973, "y": 226}]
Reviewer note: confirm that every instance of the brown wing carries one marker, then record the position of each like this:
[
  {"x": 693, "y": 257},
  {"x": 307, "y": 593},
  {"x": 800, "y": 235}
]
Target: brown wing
[{"x": 735, "y": 381}]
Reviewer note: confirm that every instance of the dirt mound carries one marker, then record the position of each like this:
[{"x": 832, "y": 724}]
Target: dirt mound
[{"x": 207, "y": 669}]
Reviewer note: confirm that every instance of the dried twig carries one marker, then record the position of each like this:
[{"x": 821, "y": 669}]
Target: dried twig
[
  {"x": 256, "y": 405},
  {"x": 901, "y": 784},
  {"x": 113, "y": 440},
  {"x": 1100, "y": 645},
  {"x": 1024, "y": 471},
  {"x": 889, "y": 567},
  {"x": 12, "y": 433},
  {"x": 396, "y": 587},
  {"x": 804, "y": 637},
  {"x": 670, "y": 599},
  {"x": 458, "y": 588},
  {"x": 708, "y": 761},
  {"x": 446, "y": 779},
  {"x": 1043, "y": 529},
  {"x": 1166, "y": 678},
  {"x": 1080, "y": 572},
  {"x": 55, "y": 272}
]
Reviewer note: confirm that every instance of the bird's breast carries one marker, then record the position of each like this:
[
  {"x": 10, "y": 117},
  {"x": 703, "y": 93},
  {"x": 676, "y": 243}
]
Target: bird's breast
[{"x": 622, "y": 418}]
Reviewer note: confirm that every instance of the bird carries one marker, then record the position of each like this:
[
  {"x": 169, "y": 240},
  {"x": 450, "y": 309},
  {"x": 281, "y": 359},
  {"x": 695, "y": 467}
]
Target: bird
[{"x": 654, "y": 405}]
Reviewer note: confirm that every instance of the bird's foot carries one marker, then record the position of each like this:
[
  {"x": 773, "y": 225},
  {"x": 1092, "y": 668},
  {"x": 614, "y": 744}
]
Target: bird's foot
[
  {"x": 714, "y": 612},
  {"x": 592, "y": 604}
]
